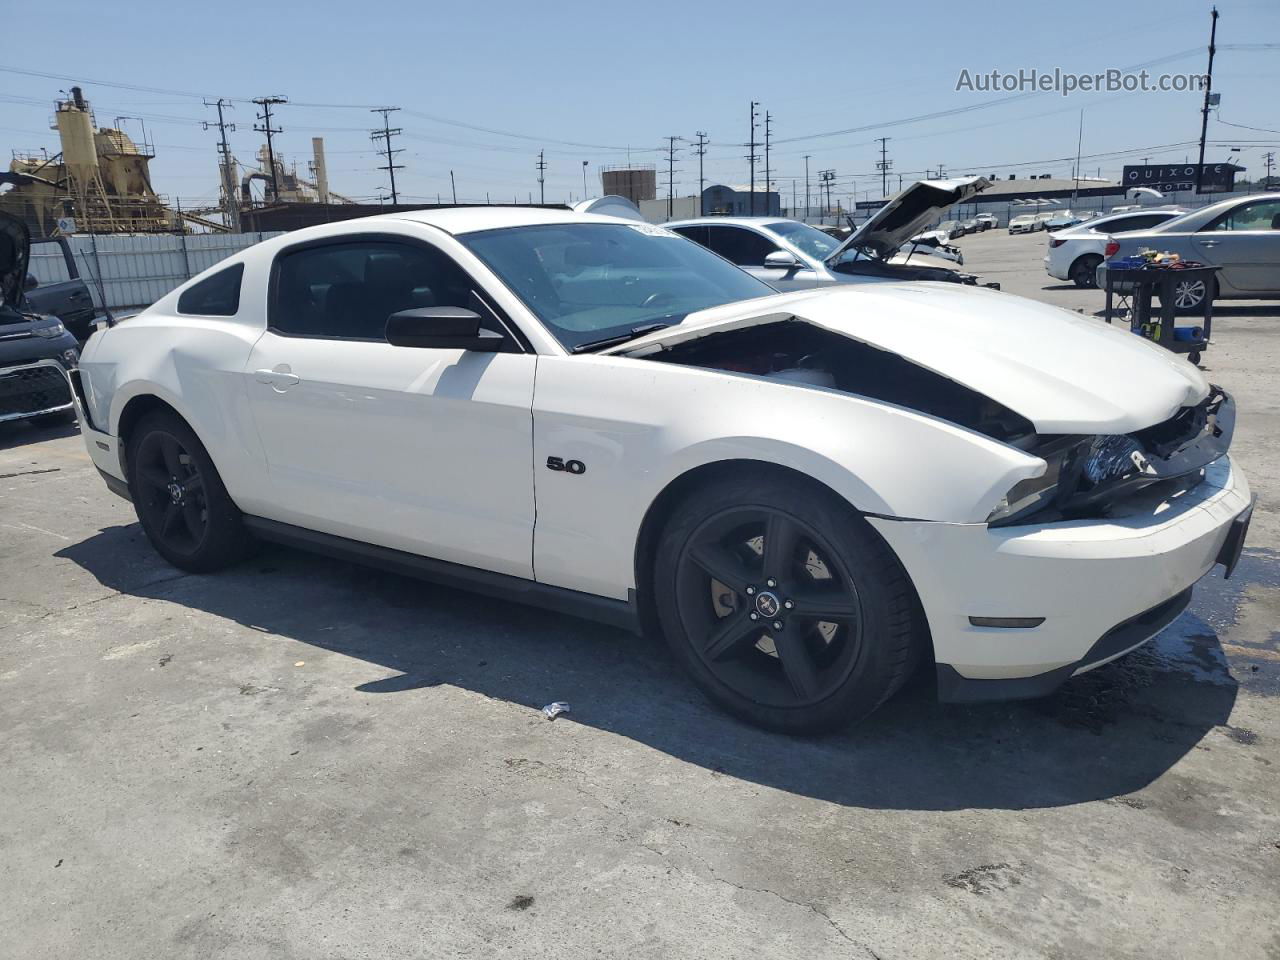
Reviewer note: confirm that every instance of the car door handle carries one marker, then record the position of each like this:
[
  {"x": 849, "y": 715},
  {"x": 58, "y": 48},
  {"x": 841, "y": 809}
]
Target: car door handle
[
  {"x": 1208, "y": 243},
  {"x": 280, "y": 377}
]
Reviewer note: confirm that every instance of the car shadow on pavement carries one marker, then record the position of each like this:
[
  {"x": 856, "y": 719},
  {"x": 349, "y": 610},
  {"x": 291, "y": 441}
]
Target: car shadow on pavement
[
  {"x": 19, "y": 433},
  {"x": 1103, "y": 735}
]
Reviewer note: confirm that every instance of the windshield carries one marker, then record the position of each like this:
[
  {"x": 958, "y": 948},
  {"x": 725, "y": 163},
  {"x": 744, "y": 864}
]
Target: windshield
[
  {"x": 591, "y": 281},
  {"x": 809, "y": 239}
]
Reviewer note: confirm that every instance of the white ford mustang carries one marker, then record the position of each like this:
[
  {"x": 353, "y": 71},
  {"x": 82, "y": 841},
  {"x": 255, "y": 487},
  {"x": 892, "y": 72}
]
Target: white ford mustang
[{"x": 807, "y": 493}]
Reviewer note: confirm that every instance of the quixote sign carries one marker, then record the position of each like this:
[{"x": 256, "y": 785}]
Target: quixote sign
[{"x": 1169, "y": 178}]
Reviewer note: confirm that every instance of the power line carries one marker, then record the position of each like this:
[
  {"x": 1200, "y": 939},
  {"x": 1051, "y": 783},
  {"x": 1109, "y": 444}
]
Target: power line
[
  {"x": 385, "y": 135},
  {"x": 266, "y": 103}
]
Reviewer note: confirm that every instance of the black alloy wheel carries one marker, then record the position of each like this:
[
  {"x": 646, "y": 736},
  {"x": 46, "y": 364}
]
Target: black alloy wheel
[
  {"x": 178, "y": 495},
  {"x": 778, "y": 616},
  {"x": 785, "y": 605},
  {"x": 171, "y": 495}
]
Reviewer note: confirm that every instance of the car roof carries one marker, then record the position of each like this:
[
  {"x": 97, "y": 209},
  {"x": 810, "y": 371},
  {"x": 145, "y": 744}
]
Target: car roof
[
  {"x": 729, "y": 221},
  {"x": 459, "y": 220}
]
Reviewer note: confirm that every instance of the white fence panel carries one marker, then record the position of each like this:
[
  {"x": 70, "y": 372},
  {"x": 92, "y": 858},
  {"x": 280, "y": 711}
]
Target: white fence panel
[{"x": 132, "y": 271}]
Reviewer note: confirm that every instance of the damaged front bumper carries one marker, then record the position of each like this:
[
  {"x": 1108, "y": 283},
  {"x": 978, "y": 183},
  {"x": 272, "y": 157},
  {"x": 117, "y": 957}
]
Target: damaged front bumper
[{"x": 1098, "y": 587}]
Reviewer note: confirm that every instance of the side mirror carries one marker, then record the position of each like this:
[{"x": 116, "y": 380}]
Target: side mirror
[
  {"x": 782, "y": 260},
  {"x": 445, "y": 328},
  {"x": 30, "y": 283}
]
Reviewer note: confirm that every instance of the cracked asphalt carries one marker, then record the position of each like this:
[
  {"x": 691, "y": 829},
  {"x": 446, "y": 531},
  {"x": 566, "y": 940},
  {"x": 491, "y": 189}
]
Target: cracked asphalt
[{"x": 302, "y": 758}]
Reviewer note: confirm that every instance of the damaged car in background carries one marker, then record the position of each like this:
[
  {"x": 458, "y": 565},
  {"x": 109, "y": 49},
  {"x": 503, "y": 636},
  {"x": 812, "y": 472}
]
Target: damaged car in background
[
  {"x": 790, "y": 255},
  {"x": 35, "y": 350},
  {"x": 807, "y": 494}
]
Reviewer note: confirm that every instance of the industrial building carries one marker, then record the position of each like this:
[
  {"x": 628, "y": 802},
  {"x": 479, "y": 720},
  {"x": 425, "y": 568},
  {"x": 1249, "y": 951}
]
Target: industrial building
[{"x": 635, "y": 181}]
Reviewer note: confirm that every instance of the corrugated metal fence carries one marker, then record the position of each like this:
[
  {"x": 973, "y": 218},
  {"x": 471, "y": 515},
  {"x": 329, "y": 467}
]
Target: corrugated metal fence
[{"x": 134, "y": 271}]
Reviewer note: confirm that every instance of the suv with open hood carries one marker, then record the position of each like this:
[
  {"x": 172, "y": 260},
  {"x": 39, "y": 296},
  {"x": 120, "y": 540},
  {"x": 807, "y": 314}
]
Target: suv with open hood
[
  {"x": 790, "y": 255},
  {"x": 35, "y": 350}
]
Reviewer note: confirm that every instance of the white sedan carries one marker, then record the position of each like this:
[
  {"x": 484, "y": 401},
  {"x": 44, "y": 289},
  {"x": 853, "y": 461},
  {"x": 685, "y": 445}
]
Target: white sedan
[{"x": 806, "y": 493}]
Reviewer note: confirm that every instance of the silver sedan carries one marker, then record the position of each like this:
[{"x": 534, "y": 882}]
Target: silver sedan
[{"x": 1241, "y": 236}]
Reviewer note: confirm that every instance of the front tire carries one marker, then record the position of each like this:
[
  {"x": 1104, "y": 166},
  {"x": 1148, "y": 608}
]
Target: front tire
[
  {"x": 179, "y": 497},
  {"x": 784, "y": 605}
]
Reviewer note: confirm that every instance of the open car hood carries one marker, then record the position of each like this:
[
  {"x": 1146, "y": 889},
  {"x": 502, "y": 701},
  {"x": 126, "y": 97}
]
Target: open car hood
[
  {"x": 15, "y": 255},
  {"x": 1066, "y": 373},
  {"x": 906, "y": 214}
]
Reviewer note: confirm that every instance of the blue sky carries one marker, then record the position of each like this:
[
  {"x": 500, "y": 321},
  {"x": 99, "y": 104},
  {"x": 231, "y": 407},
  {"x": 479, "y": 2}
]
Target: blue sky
[{"x": 618, "y": 76}]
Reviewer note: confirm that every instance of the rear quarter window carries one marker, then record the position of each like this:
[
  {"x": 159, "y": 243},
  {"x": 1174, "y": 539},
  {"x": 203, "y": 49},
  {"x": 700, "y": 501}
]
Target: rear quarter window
[{"x": 215, "y": 296}]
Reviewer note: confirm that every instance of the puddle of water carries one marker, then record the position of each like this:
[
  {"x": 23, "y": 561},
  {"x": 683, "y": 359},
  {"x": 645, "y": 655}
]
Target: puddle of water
[{"x": 1217, "y": 601}]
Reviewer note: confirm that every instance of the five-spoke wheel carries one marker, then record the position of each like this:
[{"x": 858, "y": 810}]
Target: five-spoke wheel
[
  {"x": 179, "y": 497},
  {"x": 785, "y": 605}
]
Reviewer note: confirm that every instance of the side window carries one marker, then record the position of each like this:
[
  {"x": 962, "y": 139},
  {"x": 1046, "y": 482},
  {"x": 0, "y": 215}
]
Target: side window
[
  {"x": 48, "y": 264},
  {"x": 347, "y": 290},
  {"x": 696, "y": 234},
  {"x": 1263, "y": 215},
  {"x": 216, "y": 296},
  {"x": 1129, "y": 224},
  {"x": 743, "y": 247}
]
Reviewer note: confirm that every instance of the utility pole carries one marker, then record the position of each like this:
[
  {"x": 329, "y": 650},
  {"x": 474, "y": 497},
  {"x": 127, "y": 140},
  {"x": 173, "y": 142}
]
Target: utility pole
[
  {"x": 266, "y": 103},
  {"x": 824, "y": 179},
  {"x": 768, "y": 186},
  {"x": 701, "y": 152},
  {"x": 1204, "y": 113},
  {"x": 454, "y": 185},
  {"x": 671, "y": 174},
  {"x": 542, "y": 178},
  {"x": 230, "y": 208},
  {"x": 584, "y": 179},
  {"x": 883, "y": 165},
  {"x": 751, "y": 155},
  {"x": 1269, "y": 159},
  {"x": 1075, "y": 194},
  {"x": 806, "y": 183},
  {"x": 385, "y": 135}
]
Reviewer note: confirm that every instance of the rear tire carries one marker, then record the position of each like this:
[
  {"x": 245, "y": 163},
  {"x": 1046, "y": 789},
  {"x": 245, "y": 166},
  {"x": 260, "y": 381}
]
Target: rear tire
[
  {"x": 179, "y": 497},
  {"x": 779, "y": 620},
  {"x": 1084, "y": 271}
]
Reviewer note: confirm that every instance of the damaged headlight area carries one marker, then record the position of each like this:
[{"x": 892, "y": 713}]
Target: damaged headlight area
[{"x": 1085, "y": 476}]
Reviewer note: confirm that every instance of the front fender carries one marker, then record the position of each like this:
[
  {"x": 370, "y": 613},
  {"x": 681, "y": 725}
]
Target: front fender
[{"x": 639, "y": 425}]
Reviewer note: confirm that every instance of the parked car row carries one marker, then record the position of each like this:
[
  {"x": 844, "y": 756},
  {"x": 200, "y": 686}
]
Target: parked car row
[
  {"x": 1074, "y": 253},
  {"x": 789, "y": 255}
]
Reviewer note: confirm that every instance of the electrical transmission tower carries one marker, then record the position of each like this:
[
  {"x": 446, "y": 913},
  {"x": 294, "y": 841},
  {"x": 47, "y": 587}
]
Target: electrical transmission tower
[
  {"x": 883, "y": 165},
  {"x": 671, "y": 176},
  {"x": 385, "y": 135},
  {"x": 542, "y": 178},
  {"x": 751, "y": 154},
  {"x": 230, "y": 206},
  {"x": 701, "y": 152},
  {"x": 266, "y": 103}
]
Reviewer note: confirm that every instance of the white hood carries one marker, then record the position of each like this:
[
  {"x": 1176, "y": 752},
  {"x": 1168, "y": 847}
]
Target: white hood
[{"x": 1064, "y": 372}]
